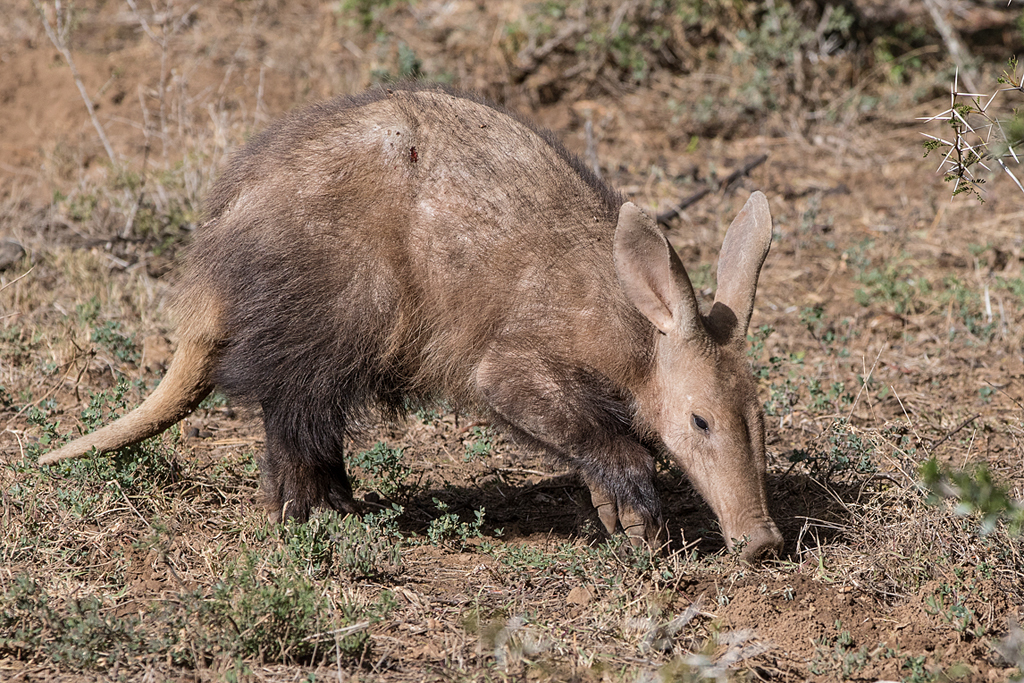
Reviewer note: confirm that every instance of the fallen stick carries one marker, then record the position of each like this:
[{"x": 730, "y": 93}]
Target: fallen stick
[{"x": 747, "y": 167}]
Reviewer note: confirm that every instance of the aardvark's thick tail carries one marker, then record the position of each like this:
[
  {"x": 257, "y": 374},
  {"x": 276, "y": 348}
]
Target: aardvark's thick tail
[{"x": 188, "y": 381}]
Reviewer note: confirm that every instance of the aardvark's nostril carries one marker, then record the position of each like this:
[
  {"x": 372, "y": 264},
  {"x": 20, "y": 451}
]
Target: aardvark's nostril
[{"x": 763, "y": 543}]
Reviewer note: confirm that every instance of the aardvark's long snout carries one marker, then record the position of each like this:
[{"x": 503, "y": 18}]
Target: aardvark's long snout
[
  {"x": 738, "y": 498},
  {"x": 743, "y": 513},
  {"x": 764, "y": 541}
]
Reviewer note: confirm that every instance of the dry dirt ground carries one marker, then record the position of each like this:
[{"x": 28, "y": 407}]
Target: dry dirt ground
[{"x": 897, "y": 318}]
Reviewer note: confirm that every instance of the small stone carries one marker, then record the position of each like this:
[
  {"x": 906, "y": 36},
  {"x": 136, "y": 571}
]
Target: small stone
[
  {"x": 11, "y": 253},
  {"x": 580, "y": 595},
  {"x": 156, "y": 353}
]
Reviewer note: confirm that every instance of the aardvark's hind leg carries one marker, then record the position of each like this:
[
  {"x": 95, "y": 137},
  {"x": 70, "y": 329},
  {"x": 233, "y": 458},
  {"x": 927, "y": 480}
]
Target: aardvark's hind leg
[{"x": 298, "y": 475}]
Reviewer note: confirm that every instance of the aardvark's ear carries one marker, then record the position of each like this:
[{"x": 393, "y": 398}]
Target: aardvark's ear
[
  {"x": 743, "y": 251},
  {"x": 652, "y": 275}
]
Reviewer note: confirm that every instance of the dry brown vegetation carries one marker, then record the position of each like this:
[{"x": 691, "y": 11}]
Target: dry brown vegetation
[{"x": 888, "y": 330}]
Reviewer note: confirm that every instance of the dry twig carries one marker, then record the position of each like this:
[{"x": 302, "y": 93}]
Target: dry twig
[
  {"x": 748, "y": 166},
  {"x": 58, "y": 36},
  {"x": 956, "y": 48}
]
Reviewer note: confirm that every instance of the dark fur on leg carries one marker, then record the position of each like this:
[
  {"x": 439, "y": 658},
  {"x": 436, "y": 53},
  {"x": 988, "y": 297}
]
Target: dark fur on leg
[{"x": 299, "y": 475}]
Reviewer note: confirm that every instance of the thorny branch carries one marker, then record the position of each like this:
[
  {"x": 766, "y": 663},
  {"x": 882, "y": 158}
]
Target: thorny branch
[{"x": 975, "y": 143}]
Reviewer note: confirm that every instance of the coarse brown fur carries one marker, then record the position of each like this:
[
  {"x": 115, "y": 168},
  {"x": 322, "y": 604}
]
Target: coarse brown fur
[{"x": 369, "y": 254}]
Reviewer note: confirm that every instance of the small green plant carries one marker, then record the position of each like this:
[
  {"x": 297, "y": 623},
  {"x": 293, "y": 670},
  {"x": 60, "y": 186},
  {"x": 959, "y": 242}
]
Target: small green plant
[
  {"x": 784, "y": 395},
  {"x": 409, "y": 66},
  {"x": 788, "y": 382},
  {"x": 844, "y": 456},
  {"x": 976, "y": 493},
  {"x": 384, "y": 466},
  {"x": 892, "y": 284},
  {"x": 16, "y": 345},
  {"x": 85, "y": 634},
  {"x": 88, "y": 311},
  {"x": 920, "y": 672},
  {"x": 265, "y": 608},
  {"x": 105, "y": 406},
  {"x": 613, "y": 562},
  {"x": 448, "y": 530},
  {"x": 332, "y": 543},
  {"x": 897, "y": 51},
  {"x": 428, "y": 415},
  {"x": 139, "y": 470},
  {"x": 832, "y": 336},
  {"x": 840, "y": 657},
  {"x": 1013, "y": 285},
  {"x": 109, "y": 336},
  {"x": 215, "y": 400},
  {"x": 916, "y": 667},
  {"x": 965, "y": 302},
  {"x": 367, "y": 13},
  {"x": 271, "y": 614},
  {"x": 832, "y": 399},
  {"x": 756, "y": 350},
  {"x": 80, "y": 206},
  {"x": 481, "y": 445},
  {"x": 958, "y": 615},
  {"x": 836, "y": 655},
  {"x": 777, "y": 36},
  {"x": 701, "y": 276}
]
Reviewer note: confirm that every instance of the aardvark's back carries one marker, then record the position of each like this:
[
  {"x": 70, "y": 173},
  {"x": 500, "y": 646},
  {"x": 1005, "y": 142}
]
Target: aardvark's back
[{"x": 395, "y": 237}]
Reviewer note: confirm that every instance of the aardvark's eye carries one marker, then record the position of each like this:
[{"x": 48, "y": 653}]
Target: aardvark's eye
[{"x": 701, "y": 424}]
